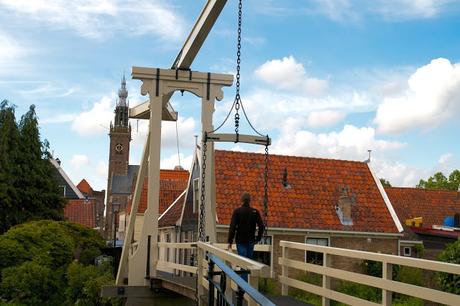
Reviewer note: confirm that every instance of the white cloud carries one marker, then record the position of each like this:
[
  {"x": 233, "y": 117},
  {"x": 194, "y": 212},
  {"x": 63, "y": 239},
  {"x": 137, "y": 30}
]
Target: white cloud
[
  {"x": 100, "y": 18},
  {"x": 173, "y": 161},
  {"x": 186, "y": 130},
  {"x": 102, "y": 169},
  {"x": 324, "y": 118},
  {"x": 96, "y": 120},
  {"x": 397, "y": 173},
  {"x": 288, "y": 74},
  {"x": 432, "y": 97},
  {"x": 12, "y": 55},
  {"x": 79, "y": 160},
  {"x": 350, "y": 143},
  {"x": 411, "y": 9}
]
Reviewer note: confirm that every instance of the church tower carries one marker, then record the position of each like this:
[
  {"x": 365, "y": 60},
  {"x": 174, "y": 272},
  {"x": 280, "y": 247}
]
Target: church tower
[{"x": 120, "y": 135}]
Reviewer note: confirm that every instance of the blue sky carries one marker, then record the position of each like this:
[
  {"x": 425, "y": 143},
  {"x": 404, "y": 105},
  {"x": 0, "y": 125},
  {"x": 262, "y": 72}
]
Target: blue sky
[{"x": 329, "y": 78}]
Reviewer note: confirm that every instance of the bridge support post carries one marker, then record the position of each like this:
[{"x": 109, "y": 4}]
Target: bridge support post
[
  {"x": 284, "y": 270},
  {"x": 387, "y": 273},
  {"x": 199, "y": 275},
  {"x": 326, "y": 279}
]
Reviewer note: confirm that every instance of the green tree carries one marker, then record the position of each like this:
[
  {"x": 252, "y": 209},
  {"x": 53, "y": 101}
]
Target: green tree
[
  {"x": 440, "y": 181},
  {"x": 42, "y": 198},
  {"x": 28, "y": 189},
  {"x": 450, "y": 282},
  {"x": 10, "y": 213},
  {"x": 385, "y": 182}
]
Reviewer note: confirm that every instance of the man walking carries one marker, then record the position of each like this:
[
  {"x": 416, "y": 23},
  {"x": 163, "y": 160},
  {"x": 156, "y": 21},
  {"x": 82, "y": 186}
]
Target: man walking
[{"x": 244, "y": 221}]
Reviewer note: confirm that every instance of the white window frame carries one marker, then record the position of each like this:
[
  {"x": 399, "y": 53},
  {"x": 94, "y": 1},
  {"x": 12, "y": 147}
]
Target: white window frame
[
  {"x": 316, "y": 237},
  {"x": 196, "y": 194}
]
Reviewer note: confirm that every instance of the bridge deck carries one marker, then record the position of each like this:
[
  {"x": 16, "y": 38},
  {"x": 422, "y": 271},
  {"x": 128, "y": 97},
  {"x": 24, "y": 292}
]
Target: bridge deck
[{"x": 185, "y": 285}]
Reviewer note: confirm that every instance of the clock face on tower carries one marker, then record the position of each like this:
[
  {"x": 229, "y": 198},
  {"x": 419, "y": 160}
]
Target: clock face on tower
[{"x": 119, "y": 147}]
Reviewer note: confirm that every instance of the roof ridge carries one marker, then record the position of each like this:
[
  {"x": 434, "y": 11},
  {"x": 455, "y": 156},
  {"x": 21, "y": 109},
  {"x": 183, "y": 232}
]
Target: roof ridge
[
  {"x": 295, "y": 156},
  {"x": 422, "y": 189}
]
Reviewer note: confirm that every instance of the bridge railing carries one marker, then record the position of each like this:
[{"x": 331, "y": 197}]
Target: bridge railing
[
  {"x": 256, "y": 270},
  {"x": 384, "y": 283}
]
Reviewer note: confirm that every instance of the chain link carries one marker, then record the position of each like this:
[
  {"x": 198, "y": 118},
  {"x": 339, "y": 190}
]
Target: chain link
[
  {"x": 266, "y": 190},
  {"x": 238, "y": 68},
  {"x": 201, "y": 228}
]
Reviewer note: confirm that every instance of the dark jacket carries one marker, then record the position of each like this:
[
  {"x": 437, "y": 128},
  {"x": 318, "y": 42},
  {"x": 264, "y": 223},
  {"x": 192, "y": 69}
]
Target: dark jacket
[{"x": 244, "y": 221}]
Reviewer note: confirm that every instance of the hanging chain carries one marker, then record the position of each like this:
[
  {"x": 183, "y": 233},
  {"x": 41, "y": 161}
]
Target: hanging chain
[
  {"x": 238, "y": 68},
  {"x": 266, "y": 190},
  {"x": 201, "y": 228}
]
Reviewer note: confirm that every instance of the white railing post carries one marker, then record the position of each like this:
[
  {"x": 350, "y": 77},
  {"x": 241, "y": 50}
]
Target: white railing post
[
  {"x": 254, "y": 283},
  {"x": 199, "y": 274},
  {"x": 284, "y": 270},
  {"x": 326, "y": 279},
  {"x": 387, "y": 273}
]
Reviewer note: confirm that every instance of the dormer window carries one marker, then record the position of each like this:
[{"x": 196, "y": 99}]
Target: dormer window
[{"x": 343, "y": 208}]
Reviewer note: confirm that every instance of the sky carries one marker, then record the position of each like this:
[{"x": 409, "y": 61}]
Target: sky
[{"x": 323, "y": 78}]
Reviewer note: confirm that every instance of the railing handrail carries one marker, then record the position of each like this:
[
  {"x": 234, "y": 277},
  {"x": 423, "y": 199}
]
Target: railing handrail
[
  {"x": 256, "y": 268},
  {"x": 252, "y": 292},
  {"x": 386, "y": 258}
]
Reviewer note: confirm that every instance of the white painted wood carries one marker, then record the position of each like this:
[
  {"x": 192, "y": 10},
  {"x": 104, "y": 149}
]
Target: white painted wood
[
  {"x": 331, "y": 294},
  {"x": 393, "y": 259},
  {"x": 284, "y": 270},
  {"x": 326, "y": 279},
  {"x": 132, "y": 217},
  {"x": 167, "y": 266},
  {"x": 251, "y": 139},
  {"x": 387, "y": 274}
]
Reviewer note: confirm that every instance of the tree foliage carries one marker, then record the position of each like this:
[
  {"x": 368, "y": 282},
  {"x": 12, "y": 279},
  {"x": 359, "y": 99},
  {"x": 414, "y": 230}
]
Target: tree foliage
[
  {"x": 440, "y": 181},
  {"x": 385, "y": 182},
  {"x": 28, "y": 189},
  {"x": 48, "y": 262},
  {"x": 450, "y": 282}
]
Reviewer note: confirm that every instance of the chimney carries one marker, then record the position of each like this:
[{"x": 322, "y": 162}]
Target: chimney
[
  {"x": 343, "y": 208},
  {"x": 285, "y": 179},
  {"x": 178, "y": 168}
]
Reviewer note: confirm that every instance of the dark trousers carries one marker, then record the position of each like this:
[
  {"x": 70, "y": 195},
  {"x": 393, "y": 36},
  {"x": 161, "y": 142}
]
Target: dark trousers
[{"x": 245, "y": 250}]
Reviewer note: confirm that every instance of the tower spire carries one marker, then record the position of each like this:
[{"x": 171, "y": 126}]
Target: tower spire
[{"x": 121, "y": 109}]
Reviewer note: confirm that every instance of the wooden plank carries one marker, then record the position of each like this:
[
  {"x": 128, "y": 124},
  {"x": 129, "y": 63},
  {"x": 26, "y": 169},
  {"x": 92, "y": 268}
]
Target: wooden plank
[
  {"x": 165, "y": 265},
  {"x": 385, "y": 284},
  {"x": 347, "y": 299},
  {"x": 393, "y": 259},
  {"x": 251, "y": 139}
]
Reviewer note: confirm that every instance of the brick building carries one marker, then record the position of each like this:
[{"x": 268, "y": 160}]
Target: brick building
[
  {"x": 423, "y": 213},
  {"x": 311, "y": 200}
]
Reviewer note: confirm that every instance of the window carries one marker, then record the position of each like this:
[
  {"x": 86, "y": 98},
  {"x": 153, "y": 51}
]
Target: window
[
  {"x": 62, "y": 188},
  {"x": 196, "y": 195},
  {"x": 407, "y": 251},
  {"x": 263, "y": 257},
  {"x": 315, "y": 257}
]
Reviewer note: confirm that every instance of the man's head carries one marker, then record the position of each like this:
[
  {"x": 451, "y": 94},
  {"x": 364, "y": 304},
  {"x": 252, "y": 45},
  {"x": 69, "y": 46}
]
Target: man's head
[{"x": 246, "y": 198}]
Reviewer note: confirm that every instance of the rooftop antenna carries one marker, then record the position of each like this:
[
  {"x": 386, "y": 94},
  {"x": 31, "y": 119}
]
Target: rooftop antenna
[{"x": 368, "y": 160}]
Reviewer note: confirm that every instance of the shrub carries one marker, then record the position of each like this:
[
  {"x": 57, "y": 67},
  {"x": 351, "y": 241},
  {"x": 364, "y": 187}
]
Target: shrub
[
  {"x": 31, "y": 284},
  {"x": 450, "y": 282}
]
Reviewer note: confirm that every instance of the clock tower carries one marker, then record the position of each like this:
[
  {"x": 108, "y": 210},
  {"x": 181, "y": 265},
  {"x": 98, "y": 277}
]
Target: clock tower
[
  {"x": 120, "y": 135},
  {"x": 119, "y": 168}
]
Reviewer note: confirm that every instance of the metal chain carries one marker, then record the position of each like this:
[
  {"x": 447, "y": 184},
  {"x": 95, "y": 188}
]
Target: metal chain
[
  {"x": 238, "y": 68},
  {"x": 201, "y": 228},
  {"x": 266, "y": 190}
]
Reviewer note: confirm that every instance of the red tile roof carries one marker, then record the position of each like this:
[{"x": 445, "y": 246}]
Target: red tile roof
[
  {"x": 81, "y": 211},
  {"x": 172, "y": 184},
  {"x": 84, "y": 187},
  {"x": 170, "y": 217},
  {"x": 309, "y": 202},
  {"x": 432, "y": 205}
]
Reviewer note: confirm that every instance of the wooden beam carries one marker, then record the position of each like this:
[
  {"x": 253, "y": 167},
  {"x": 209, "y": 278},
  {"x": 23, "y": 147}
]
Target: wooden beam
[
  {"x": 187, "y": 54},
  {"x": 259, "y": 140}
]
